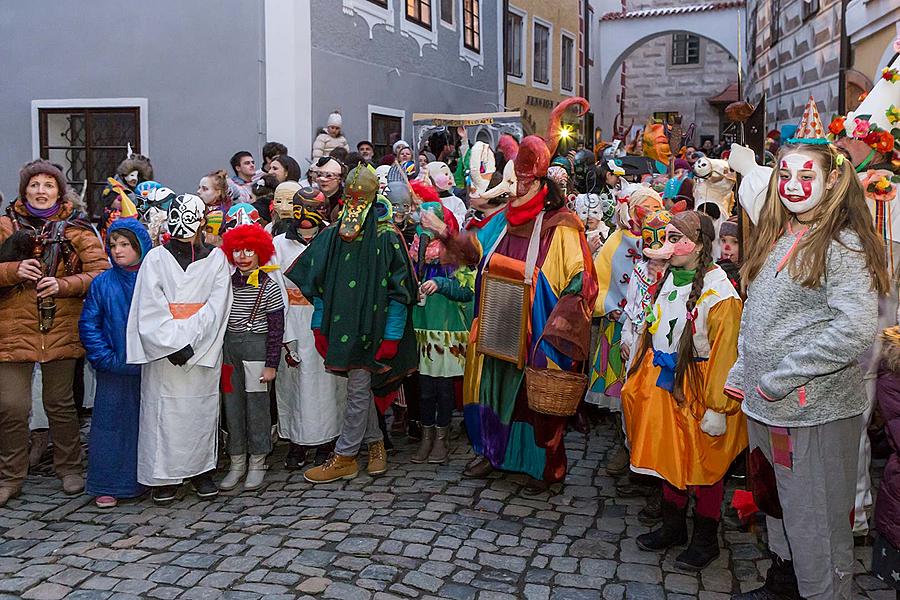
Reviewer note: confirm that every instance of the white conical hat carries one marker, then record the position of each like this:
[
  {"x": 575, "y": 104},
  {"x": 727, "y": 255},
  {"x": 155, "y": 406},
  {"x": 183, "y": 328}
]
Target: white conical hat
[
  {"x": 810, "y": 130},
  {"x": 884, "y": 95}
]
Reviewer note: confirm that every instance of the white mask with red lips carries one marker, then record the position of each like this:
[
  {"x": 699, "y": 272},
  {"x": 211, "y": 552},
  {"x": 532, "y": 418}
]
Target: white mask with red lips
[{"x": 801, "y": 182}]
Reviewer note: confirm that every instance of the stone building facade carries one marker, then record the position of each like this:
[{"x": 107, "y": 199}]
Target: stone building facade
[{"x": 793, "y": 51}]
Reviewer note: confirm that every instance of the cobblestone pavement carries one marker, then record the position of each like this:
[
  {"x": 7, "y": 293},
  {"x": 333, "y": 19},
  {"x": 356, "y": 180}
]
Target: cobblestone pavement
[{"x": 419, "y": 531}]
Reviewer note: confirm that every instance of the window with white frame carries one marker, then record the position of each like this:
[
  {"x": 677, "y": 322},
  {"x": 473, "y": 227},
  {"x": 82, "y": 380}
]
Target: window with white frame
[
  {"x": 515, "y": 33},
  {"x": 447, "y": 12},
  {"x": 472, "y": 25},
  {"x": 419, "y": 12},
  {"x": 567, "y": 63},
  {"x": 541, "y": 54}
]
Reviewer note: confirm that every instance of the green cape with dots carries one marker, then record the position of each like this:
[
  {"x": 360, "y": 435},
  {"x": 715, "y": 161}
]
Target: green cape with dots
[{"x": 356, "y": 281}]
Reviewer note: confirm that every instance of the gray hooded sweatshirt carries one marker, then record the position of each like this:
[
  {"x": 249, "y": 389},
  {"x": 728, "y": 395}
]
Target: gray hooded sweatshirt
[{"x": 798, "y": 347}]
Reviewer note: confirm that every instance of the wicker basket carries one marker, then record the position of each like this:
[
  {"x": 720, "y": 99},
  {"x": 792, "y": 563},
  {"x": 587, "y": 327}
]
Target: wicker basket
[{"x": 554, "y": 392}]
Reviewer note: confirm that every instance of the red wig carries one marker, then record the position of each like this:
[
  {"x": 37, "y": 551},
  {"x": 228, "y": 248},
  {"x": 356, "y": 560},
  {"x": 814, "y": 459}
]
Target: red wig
[
  {"x": 248, "y": 237},
  {"x": 424, "y": 192}
]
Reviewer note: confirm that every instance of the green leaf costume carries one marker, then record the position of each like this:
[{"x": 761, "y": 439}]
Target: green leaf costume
[{"x": 363, "y": 287}]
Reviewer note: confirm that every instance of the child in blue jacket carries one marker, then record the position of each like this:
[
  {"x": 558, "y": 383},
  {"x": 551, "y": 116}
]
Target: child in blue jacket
[{"x": 112, "y": 446}]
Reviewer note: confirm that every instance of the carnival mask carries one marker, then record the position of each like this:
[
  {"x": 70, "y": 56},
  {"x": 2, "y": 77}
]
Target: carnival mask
[
  {"x": 560, "y": 176},
  {"x": 132, "y": 178},
  {"x": 309, "y": 200},
  {"x": 589, "y": 208},
  {"x": 145, "y": 188},
  {"x": 440, "y": 175},
  {"x": 214, "y": 219},
  {"x": 653, "y": 230},
  {"x": 482, "y": 165},
  {"x": 241, "y": 214},
  {"x": 283, "y": 200},
  {"x": 399, "y": 195},
  {"x": 656, "y": 143},
  {"x": 682, "y": 247},
  {"x": 382, "y": 174},
  {"x": 359, "y": 193},
  {"x": 801, "y": 182},
  {"x": 185, "y": 216}
]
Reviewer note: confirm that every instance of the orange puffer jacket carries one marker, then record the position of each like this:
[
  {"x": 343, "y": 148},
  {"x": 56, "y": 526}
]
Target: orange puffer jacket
[{"x": 20, "y": 338}]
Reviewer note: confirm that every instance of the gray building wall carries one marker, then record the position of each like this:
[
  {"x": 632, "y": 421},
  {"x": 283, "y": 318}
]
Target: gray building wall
[
  {"x": 197, "y": 63},
  {"x": 653, "y": 84},
  {"x": 803, "y": 61},
  {"x": 351, "y": 71}
]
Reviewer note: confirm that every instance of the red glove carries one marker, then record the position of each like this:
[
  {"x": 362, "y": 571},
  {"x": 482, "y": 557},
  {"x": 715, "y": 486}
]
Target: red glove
[
  {"x": 387, "y": 350},
  {"x": 321, "y": 342}
]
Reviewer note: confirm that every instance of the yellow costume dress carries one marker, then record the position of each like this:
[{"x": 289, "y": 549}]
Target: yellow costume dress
[{"x": 666, "y": 439}]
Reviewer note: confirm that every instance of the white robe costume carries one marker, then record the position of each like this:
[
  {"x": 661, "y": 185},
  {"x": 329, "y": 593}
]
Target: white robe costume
[
  {"x": 172, "y": 308},
  {"x": 310, "y": 399}
]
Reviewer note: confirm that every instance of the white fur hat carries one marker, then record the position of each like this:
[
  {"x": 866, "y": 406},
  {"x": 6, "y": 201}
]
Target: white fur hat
[
  {"x": 335, "y": 120},
  {"x": 399, "y": 145}
]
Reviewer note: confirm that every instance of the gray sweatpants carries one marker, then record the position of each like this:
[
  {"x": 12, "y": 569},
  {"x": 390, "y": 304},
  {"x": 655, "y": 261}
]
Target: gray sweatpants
[
  {"x": 247, "y": 414},
  {"x": 360, "y": 415},
  {"x": 816, "y": 492}
]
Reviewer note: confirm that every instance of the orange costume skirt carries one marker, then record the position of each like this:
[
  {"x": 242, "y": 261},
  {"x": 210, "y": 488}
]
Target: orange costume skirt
[{"x": 666, "y": 439}]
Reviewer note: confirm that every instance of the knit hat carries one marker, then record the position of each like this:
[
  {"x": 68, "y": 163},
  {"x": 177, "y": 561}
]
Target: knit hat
[
  {"x": 335, "y": 120},
  {"x": 680, "y": 163},
  {"x": 399, "y": 145},
  {"x": 729, "y": 228}
]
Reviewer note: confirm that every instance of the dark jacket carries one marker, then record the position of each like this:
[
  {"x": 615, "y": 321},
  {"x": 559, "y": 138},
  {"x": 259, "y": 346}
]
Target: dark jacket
[{"x": 887, "y": 505}]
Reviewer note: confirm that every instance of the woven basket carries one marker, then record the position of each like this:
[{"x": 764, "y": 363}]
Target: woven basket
[
  {"x": 890, "y": 349},
  {"x": 553, "y": 392}
]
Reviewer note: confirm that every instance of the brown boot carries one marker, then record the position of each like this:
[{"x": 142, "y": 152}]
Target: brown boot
[
  {"x": 39, "y": 440},
  {"x": 425, "y": 444},
  {"x": 336, "y": 467},
  {"x": 377, "y": 458},
  {"x": 441, "y": 448},
  {"x": 478, "y": 468},
  {"x": 618, "y": 462},
  {"x": 7, "y": 494}
]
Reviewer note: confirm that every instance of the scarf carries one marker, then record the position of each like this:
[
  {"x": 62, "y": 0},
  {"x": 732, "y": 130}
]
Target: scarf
[
  {"x": 42, "y": 213},
  {"x": 519, "y": 215}
]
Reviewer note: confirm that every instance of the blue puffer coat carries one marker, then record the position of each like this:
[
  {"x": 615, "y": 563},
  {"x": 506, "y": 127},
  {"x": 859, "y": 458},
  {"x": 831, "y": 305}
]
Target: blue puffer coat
[{"x": 112, "y": 446}]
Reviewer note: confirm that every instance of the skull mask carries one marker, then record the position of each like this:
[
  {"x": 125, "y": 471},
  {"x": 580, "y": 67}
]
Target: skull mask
[{"x": 185, "y": 216}]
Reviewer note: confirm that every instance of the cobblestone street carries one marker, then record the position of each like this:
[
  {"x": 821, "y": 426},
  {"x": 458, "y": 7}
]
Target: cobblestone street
[{"x": 420, "y": 531}]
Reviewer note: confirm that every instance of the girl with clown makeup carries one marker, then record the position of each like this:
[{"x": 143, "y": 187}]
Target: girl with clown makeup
[
  {"x": 681, "y": 426},
  {"x": 814, "y": 271}
]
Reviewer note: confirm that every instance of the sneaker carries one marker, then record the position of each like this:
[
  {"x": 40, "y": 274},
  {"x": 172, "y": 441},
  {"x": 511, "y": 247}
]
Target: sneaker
[
  {"x": 204, "y": 485},
  {"x": 105, "y": 502},
  {"x": 165, "y": 493},
  {"x": 336, "y": 467}
]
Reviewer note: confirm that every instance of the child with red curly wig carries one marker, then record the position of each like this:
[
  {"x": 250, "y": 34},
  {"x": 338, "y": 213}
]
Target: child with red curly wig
[{"x": 253, "y": 341}]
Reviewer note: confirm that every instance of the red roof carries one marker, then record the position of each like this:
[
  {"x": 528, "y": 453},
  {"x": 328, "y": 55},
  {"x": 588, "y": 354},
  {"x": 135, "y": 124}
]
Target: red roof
[
  {"x": 672, "y": 10},
  {"x": 726, "y": 96}
]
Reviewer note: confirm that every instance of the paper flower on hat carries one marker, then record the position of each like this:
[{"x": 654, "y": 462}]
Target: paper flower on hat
[
  {"x": 892, "y": 114},
  {"x": 810, "y": 130},
  {"x": 889, "y": 74},
  {"x": 837, "y": 125}
]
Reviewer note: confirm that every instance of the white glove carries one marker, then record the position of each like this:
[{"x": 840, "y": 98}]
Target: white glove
[
  {"x": 742, "y": 159},
  {"x": 713, "y": 423}
]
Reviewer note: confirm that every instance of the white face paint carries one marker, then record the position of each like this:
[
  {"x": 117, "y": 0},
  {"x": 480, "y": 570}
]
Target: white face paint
[{"x": 801, "y": 182}]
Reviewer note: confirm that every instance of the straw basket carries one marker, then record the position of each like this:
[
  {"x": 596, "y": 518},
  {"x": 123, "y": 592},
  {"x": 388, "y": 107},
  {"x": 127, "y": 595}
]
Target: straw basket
[{"x": 554, "y": 392}]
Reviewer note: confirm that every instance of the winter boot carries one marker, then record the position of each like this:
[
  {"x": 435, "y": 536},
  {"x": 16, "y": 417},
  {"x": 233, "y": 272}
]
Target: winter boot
[
  {"x": 255, "y": 472},
  {"x": 781, "y": 583},
  {"x": 235, "y": 472},
  {"x": 336, "y": 467},
  {"x": 672, "y": 533},
  {"x": 377, "y": 458},
  {"x": 704, "y": 546},
  {"x": 424, "y": 450},
  {"x": 441, "y": 448},
  {"x": 651, "y": 514},
  {"x": 618, "y": 461}
]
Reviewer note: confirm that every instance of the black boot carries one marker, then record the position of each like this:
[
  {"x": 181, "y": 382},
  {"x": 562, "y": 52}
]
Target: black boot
[
  {"x": 651, "y": 514},
  {"x": 672, "y": 533},
  {"x": 296, "y": 457},
  {"x": 704, "y": 546},
  {"x": 204, "y": 485},
  {"x": 781, "y": 583}
]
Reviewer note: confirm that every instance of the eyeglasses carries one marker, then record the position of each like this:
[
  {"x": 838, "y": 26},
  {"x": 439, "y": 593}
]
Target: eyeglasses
[{"x": 243, "y": 253}]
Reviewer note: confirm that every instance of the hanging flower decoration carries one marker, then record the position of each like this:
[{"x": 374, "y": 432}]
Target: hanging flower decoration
[
  {"x": 837, "y": 125},
  {"x": 892, "y": 75},
  {"x": 892, "y": 114},
  {"x": 878, "y": 185}
]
